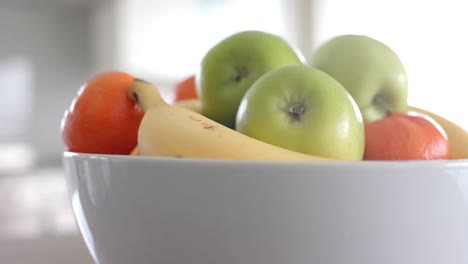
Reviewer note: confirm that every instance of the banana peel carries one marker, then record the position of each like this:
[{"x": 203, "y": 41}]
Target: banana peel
[
  {"x": 191, "y": 104},
  {"x": 173, "y": 131},
  {"x": 135, "y": 151}
]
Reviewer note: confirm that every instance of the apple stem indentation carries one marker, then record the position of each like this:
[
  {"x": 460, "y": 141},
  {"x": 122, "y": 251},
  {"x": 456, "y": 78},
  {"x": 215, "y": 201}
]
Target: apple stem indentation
[
  {"x": 240, "y": 74},
  {"x": 378, "y": 100},
  {"x": 297, "y": 111}
]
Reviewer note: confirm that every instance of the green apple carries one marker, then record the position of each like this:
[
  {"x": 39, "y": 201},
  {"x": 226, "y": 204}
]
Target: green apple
[
  {"x": 303, "y": 109},
  {"x": 372, "y": 73},
  {"x": 230, "y": 67}
]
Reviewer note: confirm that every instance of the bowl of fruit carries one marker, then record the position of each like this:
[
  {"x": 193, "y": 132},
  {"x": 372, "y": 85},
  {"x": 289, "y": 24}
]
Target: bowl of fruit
[{"x": 265, "y": 157}]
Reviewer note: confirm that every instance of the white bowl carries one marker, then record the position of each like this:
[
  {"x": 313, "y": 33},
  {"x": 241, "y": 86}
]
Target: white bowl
[{"x": 186, "y": 211}]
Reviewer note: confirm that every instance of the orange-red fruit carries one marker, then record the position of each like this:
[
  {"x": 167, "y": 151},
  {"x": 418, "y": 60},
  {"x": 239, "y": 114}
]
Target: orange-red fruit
[
  {"x": 102, "y": 119},
  {"x": 186, "y": 89},
  {"x": 405, "y": 136}
]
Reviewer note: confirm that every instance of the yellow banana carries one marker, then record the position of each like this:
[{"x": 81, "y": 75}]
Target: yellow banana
[
  {"x": 457, "y": 136},
  {"x": 191, "y": 104},
  {"x": 135, "y": 151},
  {"x": 171, "y": 131}
]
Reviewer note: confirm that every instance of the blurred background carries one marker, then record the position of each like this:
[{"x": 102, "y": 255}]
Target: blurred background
[{"x": 49, "y": 48}]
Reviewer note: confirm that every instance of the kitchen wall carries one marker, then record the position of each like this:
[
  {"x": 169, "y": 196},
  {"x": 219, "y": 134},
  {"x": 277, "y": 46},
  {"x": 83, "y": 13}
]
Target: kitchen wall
[
  {"x": 54, "y": 43},
  {"x": 44, "y": 57}
]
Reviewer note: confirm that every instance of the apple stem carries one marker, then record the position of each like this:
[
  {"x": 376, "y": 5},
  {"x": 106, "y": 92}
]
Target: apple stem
[
  {"x": 379, "y": 101},
  {"x": 296, "y": 111},
  {"x": 240, "y": 74}
]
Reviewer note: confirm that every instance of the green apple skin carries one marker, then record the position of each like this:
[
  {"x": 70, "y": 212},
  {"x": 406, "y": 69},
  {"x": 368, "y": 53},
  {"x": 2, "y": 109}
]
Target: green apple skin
[
  {"x": 230, "y": 67},
  {"x": 372, "y": 73},
  {"x": 305, "y": 110}
]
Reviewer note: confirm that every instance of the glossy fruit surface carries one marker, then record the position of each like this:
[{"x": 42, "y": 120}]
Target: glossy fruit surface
[
  {"x": 102, "y": 118},
  {"x": 230, "y": 67},
  {"x": 405, "y": 136},
  {"x": 369, "y": 69},
  {"x": 305, "y": 110}
]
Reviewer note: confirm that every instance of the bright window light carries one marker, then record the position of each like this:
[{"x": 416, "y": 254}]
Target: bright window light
[
  {"x": 16, "y": 86},
  {"x": 169, "y": 40}
]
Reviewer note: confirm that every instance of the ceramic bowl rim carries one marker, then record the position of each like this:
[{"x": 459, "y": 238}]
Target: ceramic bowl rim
[{"x": 422, "y": 164}]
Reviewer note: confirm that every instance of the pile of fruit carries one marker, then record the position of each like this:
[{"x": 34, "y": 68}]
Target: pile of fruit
[{"x": 255, "y": 97}]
